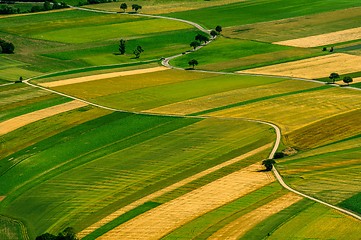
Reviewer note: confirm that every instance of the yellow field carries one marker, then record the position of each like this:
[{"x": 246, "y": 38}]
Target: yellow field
[
  {"x": 163, "y": 219},
  {"x": 296, "y": 111},
  {"x": 311, "y": 68},
  {"x": 324, "y": 39},
  {"x": 231, "y": 97},
  {"x": 102, "y": 76},
  {"x": 240, "y": 226},
  {"x": 20, "y": 121},
  {"x": 326, "y": 131}
]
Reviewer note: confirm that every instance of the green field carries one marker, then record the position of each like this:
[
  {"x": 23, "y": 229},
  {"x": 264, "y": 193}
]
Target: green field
[
  {"x": 260, "y": 11},
  {"x": 177, "y": 132}
]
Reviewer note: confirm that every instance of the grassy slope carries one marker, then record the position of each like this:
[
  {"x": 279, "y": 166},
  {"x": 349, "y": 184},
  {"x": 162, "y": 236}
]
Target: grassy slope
[
  {"x": 330, "y": 172},
  {"x": 124, "y": 163},
  {"x": 11, "y": 229},
  {"x": 231, "y": 49}
]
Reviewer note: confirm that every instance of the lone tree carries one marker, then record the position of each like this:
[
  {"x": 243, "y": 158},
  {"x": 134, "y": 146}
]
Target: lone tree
[
  {"x": 193, "y": 63},
  {"x": 122, "y": 46},
  {"x": 268, "y": 163},
  {"x": 333, "y": 77},
  {"x": 347, "y": 80},
  {"x": 123, "y": 6},
  {"x": 201, "y": 38},
  {"x": 214, "y": 33},
  {"x": 195, "y": 44},
  {"x": 136, "y": 7},
  {"x": 219, "y": 29},
  {"x": 137, "y": 51}
]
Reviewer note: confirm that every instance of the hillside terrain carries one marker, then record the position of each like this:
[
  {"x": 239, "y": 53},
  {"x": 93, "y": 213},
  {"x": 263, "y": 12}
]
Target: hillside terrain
[{"x": 148, "y": 144}]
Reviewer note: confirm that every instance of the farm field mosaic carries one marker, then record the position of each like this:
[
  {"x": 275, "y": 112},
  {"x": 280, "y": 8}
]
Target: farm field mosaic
[{"x": 155, "y": 119}]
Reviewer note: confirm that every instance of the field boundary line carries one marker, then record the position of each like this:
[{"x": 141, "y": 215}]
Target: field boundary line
[
  {"x": 165, "y": 62},
  {"x": 169, "y": 188}
]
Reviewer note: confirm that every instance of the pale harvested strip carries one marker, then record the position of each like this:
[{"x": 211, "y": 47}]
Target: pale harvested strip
[
  {"x": 2, "y": 198},
  {"x": 161, "y": 220},
  {"x": 102, "y": 76},
  {"x": 312, "y": 68},
  {"x": 324, "y": 39},
  {"x": 170, "y": 188},
  {"x": 354, "y": 80},
  {"x": 231, "y": 97},
  {"x": 239, "y": 227},
  {"x": 20, "y": 121}
]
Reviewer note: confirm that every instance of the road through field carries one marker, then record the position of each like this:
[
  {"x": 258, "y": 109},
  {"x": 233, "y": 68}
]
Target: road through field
[{"x": 203, "y": 209}]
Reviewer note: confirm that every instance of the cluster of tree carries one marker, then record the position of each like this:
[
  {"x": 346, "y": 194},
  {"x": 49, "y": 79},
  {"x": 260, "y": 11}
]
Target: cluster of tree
[
  {"x": 199, "y": 38},
  {"x": 216, "y": 31},
  {"x": 67, "y": 234},
  {"x": 49, "y": 6},
  {"x": 334, "y": 76},
  {"x": 6, "y": 47},
  {"x": 5, "y": 9},
  {"x": 135, "y": 7},
  {"x": 122, "y": 46}
]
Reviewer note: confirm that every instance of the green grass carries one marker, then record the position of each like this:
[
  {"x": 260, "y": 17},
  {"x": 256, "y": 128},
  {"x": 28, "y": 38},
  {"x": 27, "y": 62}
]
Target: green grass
[
  {"x": 231, "y": 49},
  {"x": 319, "y": 222},
  {"x": 120, "y": 158},
  {"x": 330, "y": 173},
  {"x": 298, "y": 27},
  {"x": 260, "y": 11},
  {"x": 122, "y": 219},
  {"x": 156, "y": 46},
  {"x": 352, "y": 203},
  {"x": 11, "y": 229},
  {"x": 268, "y": 226},
  {"x": 110, "y": 31}
]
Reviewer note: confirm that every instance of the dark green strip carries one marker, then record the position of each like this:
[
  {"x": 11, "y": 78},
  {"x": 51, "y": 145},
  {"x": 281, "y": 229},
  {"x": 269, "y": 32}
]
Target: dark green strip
[
  {"x": 121, "y": 219},
  {"x": 352, "y": 203},
  {"x": 271, "y": 224},
  {"x": 258, "y": 100}
]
